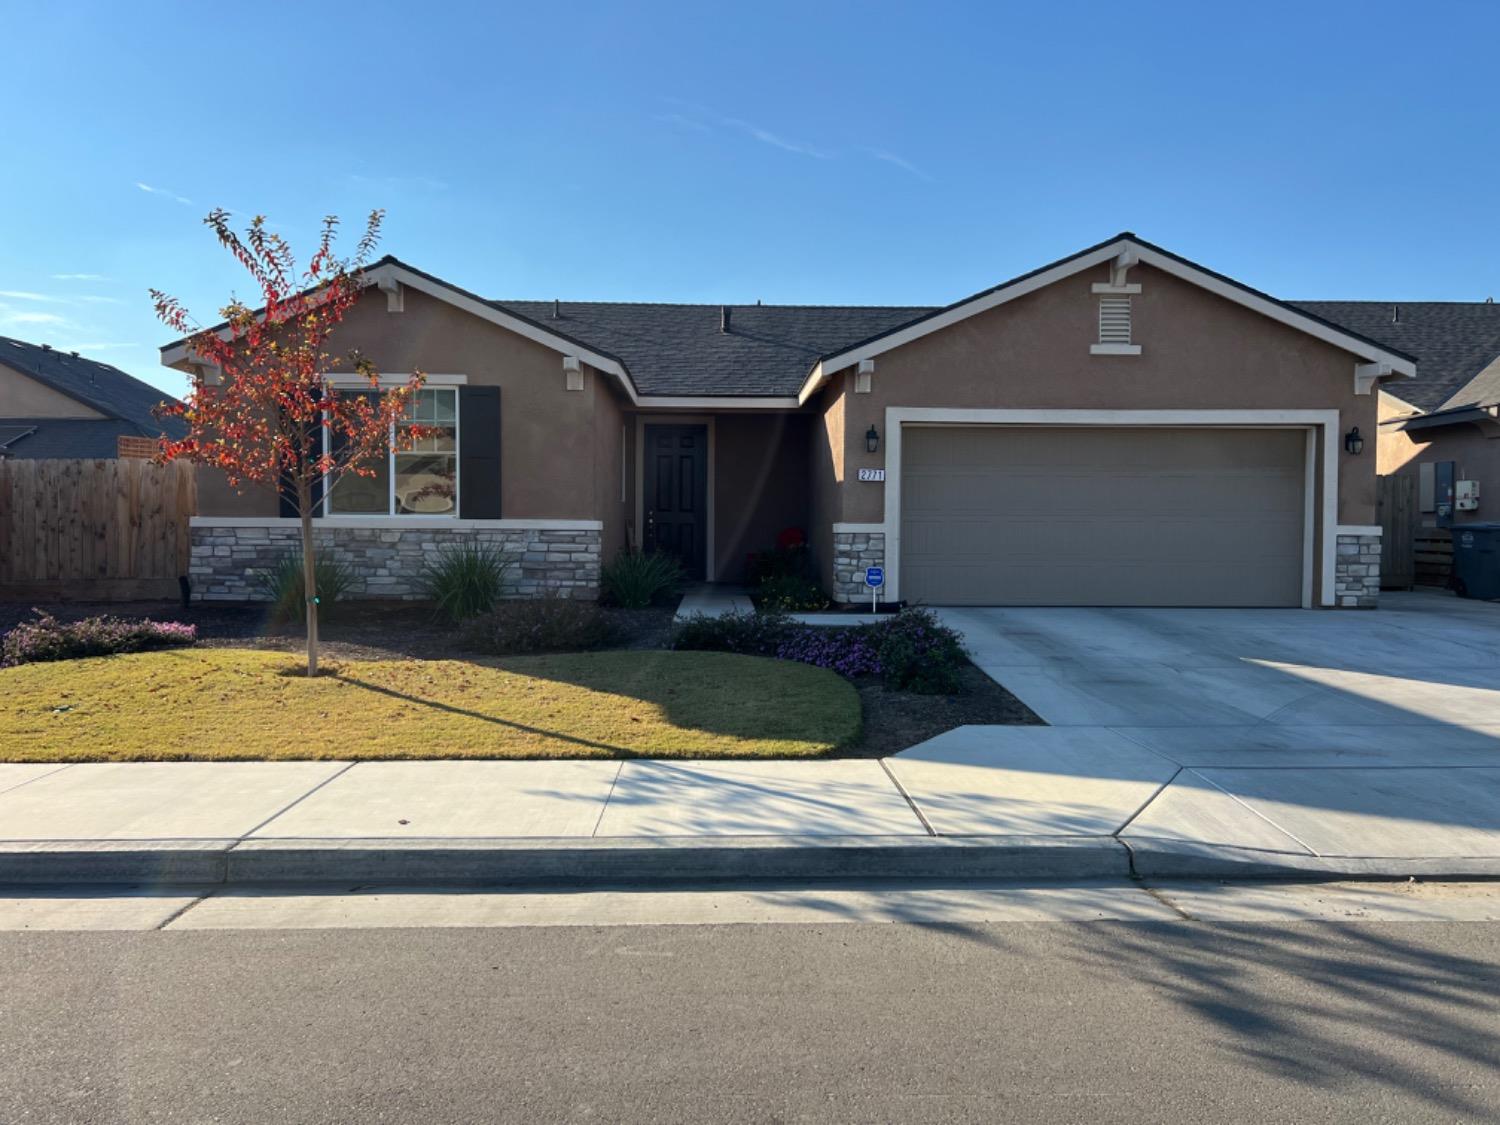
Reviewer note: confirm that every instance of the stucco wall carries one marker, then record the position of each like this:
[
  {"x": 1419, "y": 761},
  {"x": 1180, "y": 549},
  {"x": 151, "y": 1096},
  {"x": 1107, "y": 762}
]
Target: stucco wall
[
  {"x": 760, "y": 485},
  {"x": 23, "y": 397},
  {"x": 559, "y": 449},
  {"x": 1473, "y": 448},
  {"x": 1198, "y": 351}
]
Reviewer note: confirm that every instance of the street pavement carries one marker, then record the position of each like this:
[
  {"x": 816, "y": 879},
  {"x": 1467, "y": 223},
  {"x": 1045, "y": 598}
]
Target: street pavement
[{"x": 1099, "y": 1002}]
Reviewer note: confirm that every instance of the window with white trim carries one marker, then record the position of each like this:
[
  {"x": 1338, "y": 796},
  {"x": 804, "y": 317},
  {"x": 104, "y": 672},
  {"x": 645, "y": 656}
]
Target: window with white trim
[{"x": 420, "y": 481}]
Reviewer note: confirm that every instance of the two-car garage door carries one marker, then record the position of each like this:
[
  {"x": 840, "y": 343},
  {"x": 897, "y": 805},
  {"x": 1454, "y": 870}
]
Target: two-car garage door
[{"x": 1097, "y": 516}]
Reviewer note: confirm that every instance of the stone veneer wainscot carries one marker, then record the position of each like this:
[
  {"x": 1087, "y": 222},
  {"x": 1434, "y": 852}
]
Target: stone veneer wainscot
[
  {"x": 554, "y": 558},
  {"x": 1356, "y": 568},
  {"x": 853, "y": 551}
]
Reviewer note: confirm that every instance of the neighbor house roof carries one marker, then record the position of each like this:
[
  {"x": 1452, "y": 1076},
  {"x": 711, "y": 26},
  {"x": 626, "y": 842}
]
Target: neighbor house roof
[
  {"x": 1456, "y": 344},
  {"x": 124, "y": 400}
]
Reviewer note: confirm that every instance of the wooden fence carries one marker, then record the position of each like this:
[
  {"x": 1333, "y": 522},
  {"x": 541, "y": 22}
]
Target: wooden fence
[{"x": 94, "y": 530}]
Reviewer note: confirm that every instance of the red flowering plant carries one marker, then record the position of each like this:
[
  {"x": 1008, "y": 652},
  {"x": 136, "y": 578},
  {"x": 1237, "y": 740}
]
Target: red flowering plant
[{"x": 261, "y": 408}]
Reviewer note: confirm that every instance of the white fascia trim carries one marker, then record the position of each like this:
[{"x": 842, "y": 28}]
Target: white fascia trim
[
  {"x": 367, "y": 522},
  {"x": 347, "y": 379},
  {"x": 710, "y": 402},
  {"x": 1114, "y": 349},
  {"x": 827, "y": 367},
  {"x": 1358, "y": 529},
  {"x": 1327, "y": 333},
  {"x": 1320, "y": 424}
]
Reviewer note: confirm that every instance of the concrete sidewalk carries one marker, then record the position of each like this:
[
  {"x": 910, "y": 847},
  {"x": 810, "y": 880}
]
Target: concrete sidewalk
[{"x": 977, "y": 802}]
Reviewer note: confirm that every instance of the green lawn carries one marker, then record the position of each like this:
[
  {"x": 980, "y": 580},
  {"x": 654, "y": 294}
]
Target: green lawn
[{"x": 219, "y": 704}]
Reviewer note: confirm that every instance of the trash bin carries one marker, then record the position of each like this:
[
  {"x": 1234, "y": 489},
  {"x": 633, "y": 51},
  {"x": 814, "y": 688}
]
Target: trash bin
[{"x": 1476, "y": 560}]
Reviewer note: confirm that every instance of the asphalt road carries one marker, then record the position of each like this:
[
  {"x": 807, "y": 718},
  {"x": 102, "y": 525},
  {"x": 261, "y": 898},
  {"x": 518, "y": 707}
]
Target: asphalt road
[{"x": 1036, "y": 1022}]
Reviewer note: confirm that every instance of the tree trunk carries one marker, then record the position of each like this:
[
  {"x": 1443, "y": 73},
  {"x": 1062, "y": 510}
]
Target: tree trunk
[{"x": 309, "y": 573}]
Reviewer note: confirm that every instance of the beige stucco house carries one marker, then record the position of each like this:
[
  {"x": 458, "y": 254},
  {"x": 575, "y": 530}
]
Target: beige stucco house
[
  {"x": 1121, "y": 427},
  {"x": 1443, "y": 430},
  {"x": 59, "y": 404}
]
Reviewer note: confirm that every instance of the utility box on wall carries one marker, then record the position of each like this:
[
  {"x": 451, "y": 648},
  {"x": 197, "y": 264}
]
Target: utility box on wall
[{"x": 1466, "y": 495}]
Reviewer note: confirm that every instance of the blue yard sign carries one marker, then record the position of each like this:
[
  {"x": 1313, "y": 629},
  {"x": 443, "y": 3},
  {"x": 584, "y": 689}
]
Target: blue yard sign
[{"x": 874, "y": 577}]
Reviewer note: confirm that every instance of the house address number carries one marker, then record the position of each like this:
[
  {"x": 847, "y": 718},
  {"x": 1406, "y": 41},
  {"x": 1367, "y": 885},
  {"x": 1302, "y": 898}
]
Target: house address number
[{"x": 872, "y": 474}]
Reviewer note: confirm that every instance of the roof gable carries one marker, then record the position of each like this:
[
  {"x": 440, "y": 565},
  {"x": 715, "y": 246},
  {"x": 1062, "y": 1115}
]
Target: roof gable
[{"x": 1125, "y": 246}]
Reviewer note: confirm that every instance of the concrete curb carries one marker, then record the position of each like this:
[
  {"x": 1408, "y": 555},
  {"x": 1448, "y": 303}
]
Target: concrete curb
[
  {"x": 565, "y": 862},
  {"x": 684, "y": 860},
  {"x": 1162, "y": 859}
]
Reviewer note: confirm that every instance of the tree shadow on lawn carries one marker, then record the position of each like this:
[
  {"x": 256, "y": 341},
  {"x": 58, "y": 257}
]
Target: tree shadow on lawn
[{"x": 723, "y": 696}]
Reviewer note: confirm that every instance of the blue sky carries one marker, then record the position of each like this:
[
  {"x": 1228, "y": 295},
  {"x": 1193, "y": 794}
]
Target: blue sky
[{"x": 811, "y": 152}]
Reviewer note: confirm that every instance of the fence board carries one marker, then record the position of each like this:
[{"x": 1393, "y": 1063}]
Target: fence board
[
  {"x": 1396, "y": 504},
  {"x": 94, "y": 529}
]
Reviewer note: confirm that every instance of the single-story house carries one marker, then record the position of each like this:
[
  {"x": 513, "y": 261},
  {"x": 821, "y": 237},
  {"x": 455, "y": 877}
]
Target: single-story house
[
  {"x": 1443, "y": 429},
  {"x": 1120, "y": 427},
  {"x": 57, "y": 404}
]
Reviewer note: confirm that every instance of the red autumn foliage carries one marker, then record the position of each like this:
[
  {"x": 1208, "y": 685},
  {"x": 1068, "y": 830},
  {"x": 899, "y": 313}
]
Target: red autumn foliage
[{"x": 260, "y": 407}]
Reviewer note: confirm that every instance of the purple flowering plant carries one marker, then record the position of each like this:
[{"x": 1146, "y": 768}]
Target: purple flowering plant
[{"x": 44, "y": 637}]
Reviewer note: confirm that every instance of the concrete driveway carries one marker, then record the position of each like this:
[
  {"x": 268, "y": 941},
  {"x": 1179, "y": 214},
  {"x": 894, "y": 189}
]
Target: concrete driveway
[{"x": 1314, "y": 733}]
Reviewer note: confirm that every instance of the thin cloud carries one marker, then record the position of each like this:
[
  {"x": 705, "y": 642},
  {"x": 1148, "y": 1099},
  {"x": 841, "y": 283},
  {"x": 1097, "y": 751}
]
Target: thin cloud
[
  {"x": 702, "y": 120},
  {"x": 899, "y": 161},
  {"x": 23, "y": 295},
  {"x": 79, "y": 277},
  {"x": 172, "y": 195},
  {"x": 766, "y": 137},
  {"x": 10, "y": 317}
]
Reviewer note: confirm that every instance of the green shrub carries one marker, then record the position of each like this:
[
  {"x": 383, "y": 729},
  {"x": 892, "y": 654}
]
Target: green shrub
[
  {"x": 282, "y": 586},
  {"x": 466, "y": 579},
  {"x": 919, "y": 653},
  {"x": 540, "y": 625},
  {"x": 633, "y": 580},
  {"x": 750, "y": 634},
  {"x": 790, "y": 593},
  {"x": 910, "y": 651}
]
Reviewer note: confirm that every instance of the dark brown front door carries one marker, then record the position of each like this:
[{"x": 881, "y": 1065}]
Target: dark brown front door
[{"x": 677, "y": 494}]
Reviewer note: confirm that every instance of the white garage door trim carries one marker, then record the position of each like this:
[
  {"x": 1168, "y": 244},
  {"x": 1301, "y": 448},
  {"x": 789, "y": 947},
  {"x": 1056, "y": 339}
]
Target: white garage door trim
[{"x": 1319, "y": 424}]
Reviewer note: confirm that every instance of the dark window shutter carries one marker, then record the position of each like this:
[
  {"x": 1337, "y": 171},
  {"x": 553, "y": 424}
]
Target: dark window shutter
[
  {"x": 288, "y": 493},
  {"x": 479, "y": 453}
]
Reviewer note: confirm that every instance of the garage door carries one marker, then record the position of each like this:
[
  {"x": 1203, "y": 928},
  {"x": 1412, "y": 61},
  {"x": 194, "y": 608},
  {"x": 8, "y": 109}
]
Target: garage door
[{"x": 1095, "y": 516}]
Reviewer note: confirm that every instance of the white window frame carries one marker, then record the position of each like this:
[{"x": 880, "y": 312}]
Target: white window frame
[{"x": 387, "y": 383}]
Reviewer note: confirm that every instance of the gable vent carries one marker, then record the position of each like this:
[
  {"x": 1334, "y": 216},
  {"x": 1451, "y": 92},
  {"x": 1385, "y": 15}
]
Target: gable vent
[
  {"x": 1114, "y": 320},
  {"x": 1114, "y": 327}
]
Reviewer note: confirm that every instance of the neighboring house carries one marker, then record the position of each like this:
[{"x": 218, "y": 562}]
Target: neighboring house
[
  {"x": 1444, "y": 428},
  {"x": 57, "y": 404},
  {"x": 1121, "y": 427}
]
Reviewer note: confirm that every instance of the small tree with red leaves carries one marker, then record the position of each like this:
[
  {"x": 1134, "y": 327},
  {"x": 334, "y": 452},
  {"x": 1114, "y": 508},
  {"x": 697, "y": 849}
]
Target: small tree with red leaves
[{"x": 261, "y": 408}]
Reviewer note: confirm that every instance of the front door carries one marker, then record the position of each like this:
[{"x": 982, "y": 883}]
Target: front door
[{"x": 677, "y": 494}]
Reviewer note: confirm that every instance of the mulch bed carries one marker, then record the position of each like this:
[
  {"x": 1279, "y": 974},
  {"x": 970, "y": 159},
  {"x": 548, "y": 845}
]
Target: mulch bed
[
  {"x": 368, "y": 630},
  {"x": 898, "y": 720}
]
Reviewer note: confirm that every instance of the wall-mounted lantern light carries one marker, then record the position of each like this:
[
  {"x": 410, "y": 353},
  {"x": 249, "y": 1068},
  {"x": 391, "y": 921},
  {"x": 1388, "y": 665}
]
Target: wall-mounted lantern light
[
  {"x": 872, "y": 439},
  {"x": 1353, "y": 443}
]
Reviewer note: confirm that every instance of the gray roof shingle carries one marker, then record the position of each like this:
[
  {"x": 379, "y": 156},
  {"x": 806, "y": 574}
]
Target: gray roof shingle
[
  {"x": 679, "y": 350},
  {"x": 41, "y": 439},
  {"x": 124, "y": 398},
  {"x": 1454, "y": 341}
]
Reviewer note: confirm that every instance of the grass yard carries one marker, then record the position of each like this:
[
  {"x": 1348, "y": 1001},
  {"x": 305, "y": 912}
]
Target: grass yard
[{"x": 223, "y": 704}]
